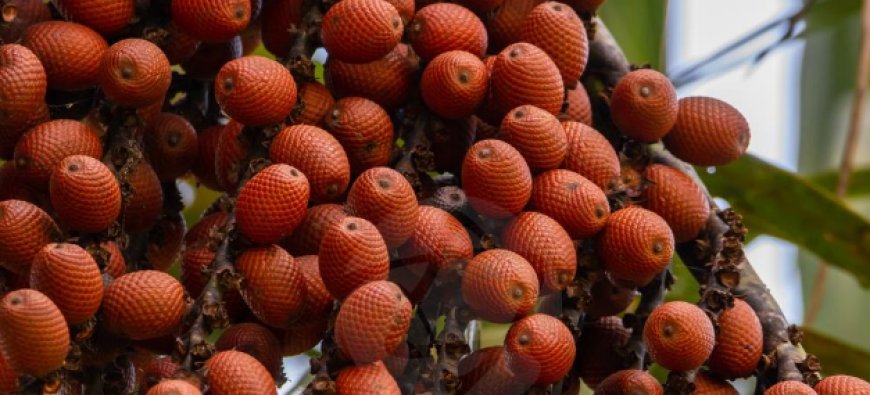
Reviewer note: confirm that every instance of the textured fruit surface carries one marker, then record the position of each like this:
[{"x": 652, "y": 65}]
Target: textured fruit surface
[
  {"x": 676, "y": 198},
  {"x": 232, "y": 149},
  {"x": 145, "y": 200},
  {"x": 442, "y": 27},
  {"x": 254, "y": 340},
  {"x": 373, "y": 378},
  {"x": 272, "y": 203},
  {"x": 352, "y": 253},
  {"x": 546, "y": 245},
  {"x": 454, "y": 84},
  {"x": 40, "y": 150},
  {"x": 500, "y": 286},
  {"x": 738, "y": 342},
  {"x": 579, "y": 108},
  {"x": 105, "y": 16},
  {"x": 318, "y": 301},
  {"x": 255, "y": 91},
  {"x": 486, "y": 371},
  {"x": 842, "y": 385},
  {"x": 538, "y": 136},
  {"x": 524, "y": 74},
  {"x": 578, "y": 205},
  {"x": 69, "y": 276},
  {"x": 274, "y": 288},
  {"x": 709, "y": 385},
  {"x": 364, "y": 130},
  {"x": 305, "y": 240},
  {"x": 135, "y": 73},
  {"x": 85, "y": 194},
  {"x": 115, "y": 265},
  {"x": 506, "y": 24},
  {"x": 27, "y": 13},
  {"x": 608, "y": 298},
  {"x": 590, "y": 155},
  {"x": 172, "y": 146},
  {"x": 22, "y": 85},
  {"x": 318, "y": 155},
  {"x": 316, "y": 102},
  {"x": 236, "y": 373},
  {"x": 212, "y": 20},
  {"x": 790, "y": 388},
  {"x": 708, "y": 132},
  {"x": 599, "y": 345},
  {"x": 635, "y": 245},
  {"x": 69, "y": 52},
  {"x": 541, "y": 348},
  {"x": 24, "y": 230},
  {"x": 277, "y": 18},
  {"x": 385, "y": 198},
  {"x": 154, "y": 369},
  {"x": 33, "y": 333},
  {"x": 372, "y": 322},
  {"x": 679, "y": 336},
  {"x": 8, "y": 376},
  {"x": 556, "y": 29},
  {"x": 496, "y": 179},
  {"x": 303, "y": 336},
  {"x": 174, "y": 387},
  {"x": 361, "y": 31},
  {"x": 439, "y": 239},
  {"x": 166, "y": 241},
  {"x": 388, "y": 81},
  {"x": 626, "y": 382},
  {"x": 644, "y": 105},
  {"x": 143, "y": 305}
]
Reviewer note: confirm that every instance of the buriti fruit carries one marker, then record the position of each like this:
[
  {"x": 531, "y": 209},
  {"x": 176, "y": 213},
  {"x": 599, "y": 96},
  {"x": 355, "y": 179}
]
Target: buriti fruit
[
  {"x": 318, "y": 155},
  {"x": 679, "y": 336},
  {"x": 538, "y": 136},
  {"x": 790, "y": 388},
  {"x": 547, "y": 247},
  {"x": 372, "y": 378},
  {"x": 496, "y": 179},
  {"x": 385, "y": 198},
  {"x": 236, "y": 373},
  {"x": 738, "y": 342},
  {"x": 708, "y": 132},
  {"x": 69, "y": 276},
  {"x": 85, "y": 194},
  {"x": 372, "y": 322},
  {"x": 39, "y": 151},
  {"x": 143, "y": 305},
  {"x": 306, "y": 238},
  {"x": 352, "y": 253},
  {"x": 630, "y": 382},
  {"x": 214, "y": 21},
  {"x": 361, "y": 31},
  {"x": 644, "y": 105},
  {"x": 24, "y": 82},
  {"x": 578, "y": 205},
  {"x": 33, "y": 333},
  {"x": 255, "y": 340},
  {"x": 442, "y": 27},
  {"x": 135, "y": 73},
  {"x": 454, "y": 84},
  {"x": 24, "y": 230},
  {"x": 841, "y": 385},
  {"x": 174, "y": 387},
  {"x": 364, "y": 130},
  {"x": 255, "y": 91},
  {"x": 555, "y": 28},
  {"x": 271, "y": 205},
  {"x": 388, "y": 81},
  {"x": 676, "y": 198},
  {"x": 486, "y": 371},
  {"x": 635, "y": 245},
  {"x": 69, "y": 52},
  {"x": 172, "y": 146},
  {"x": 540, "y": 348},
  {"x": 590, "y": 155},
  {"x": 105, "y": 16},
  {"x": 275, "y": 288},
  {"x": 500, "y": 286}
]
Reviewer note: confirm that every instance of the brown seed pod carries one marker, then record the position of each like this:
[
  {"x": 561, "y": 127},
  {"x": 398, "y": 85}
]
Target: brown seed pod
[
  {"x": 26, "y": 13},
  {"x": 439, "y": 239},
  {"x": 738, "y": 342},
  {"x": 454, "y": 84},
  {"x": 135, "y": 73},
  {"x": 709, "y": 385},
  {"x": 212, "y": 21},
  {"x": 172, "y": 146},
  {"x": 278, "y": 17},
  {"x": 166, "y": 242},
  {"x": 384, "y": 197},
  {"x": 69, "y": 52},
  {"x": 842, "y": 385},
  {"x": 397, "y": 361},
  {"x": 255, "y": 91},
  {"x": 305, "y": 240},
  {"x": 486, "y": 371},
  {"x": 372, "y": 322},
  {"x": 524, "y": 74},
  {"x": 274, "y": 288},
  {"x": 578, "y": 108},
  {"x": 442, "y": 27},
  {"x": 318, "y": 155},
  {"x": 255, "y": 340},
  {"x": 364, "y": 130},
  {"x": 272, "y": 203},
  {"x": 496, "y": 179},
  {"x": 635, "y": 245},
  {"x": 608, "y": 299},
  {"x": 8, "y": 376},
  {"x": 591, "y": 155},
  {"x": 115, "y": 266},
  {"x": 143, "y": 305},
  {"x": 387, "y": 81},
  {"x": 318, "y": 300},
  {"x": 628, "y": 382},
  {"x": 790, "y": 388},
  {"x": 85, "y": 194},
  {"x": 24, "y": 230},
  {"x": 69, "y": 276},
  {"x": 540, "y": 348},
  {"x": 352, "y": 253},
  {"x": 500, "y": 285},
  {"x": 180, "y": 45},
  {"x": 644, "y": 105},
  {"x": 304, "y": 335},
  {"x": 316, "y": 102},
  {"x": 676, "y": 198},
  {"x": 145, "y": 200},
  {"x": 708, "y": 132},
  {"x": 210, "y": 57},
  {"x": 23, "y": 82},
  {"x": 546, "y": 245},
  {"x": 232, "y": 149},
  {"x": 236, "y": 373},
  {"x": 679, "y": 336},
  {"x": 600, "y": 343},
  {"x": 506, "y": 24},
  {"x": 33, "y": 334},
  {"x": 105, "y": 16},
  {"x": 361, "y": 31},
  {"x": 42, "y": 148},
  {"x": 204, "y": 165},
  {"x": 556, "y": 29},
  {"x": 174, "y": 387},
  {"x": 538, "y": 136},
  {"x": 575, "y": 202},
  {"x": 373, "y": 378}
]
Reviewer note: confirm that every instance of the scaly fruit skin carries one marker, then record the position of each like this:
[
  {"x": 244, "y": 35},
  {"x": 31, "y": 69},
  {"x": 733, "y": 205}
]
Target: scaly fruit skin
[
  {"x": 709, "y": 385},
  {"x": 255, "y": 340},
  {"x": 303, "y": 336},
  {"x": 317, "y": 101},
  {"x": 373, "y": 378},
  {"x": 305, "y": 240},
  {"x": 738, "y": 342},
  {"x": 33, "y": 334},
  {"x": 644, "y": 105},
  {"x": 154, "y": 369},
  {"x": 255, "y": 91},
  {"x": 361, "y": 31},
  {"x": 204, "y": 166},
  {"x": 237, "y": 373},
  {"x": 85, "y": 194},
  {"x": 278, "y": 17},
  {"x": 8, "y": 376},
  {"x": 115, "y": 266},
  {"x": 546, "y": 245},
  {"x": 105, "y": 16},
  {"x": 172, "y": 146},
  {"x": 69, "y": 52},
  {"x": 372, "y": 322},
  {"x": 628, "y": 382},
  {"x": 143, "y": 305},
  {"x": 274, "y": 287},
  {"x": 442, "y": 27},
  {"x": 676, "y": 198},
  {"x": 388, "y": 81},
  {"x": 575, "y": 202},
  {"x": 174, "y": 387},
  {"x": 636, "y": 244},
  {"x": 679, "y": 336},
  {"x": 540, "y": 348},
  {"x": 166, "y": 240},
  {"x": 69, "y": 276},
  {"x": 212, "y": 21},
  {"x": 40, "y": 150},
  {"x": 708, "y": 132},
  {"x": 524, "y": 74},
  {"x": 24, "y": 230},
  {"x": 145, "y": 200},
  {"x": 505, "y": 26},
  {"x": 496, "y": 179},
  {"x": 23, "y": 82},
  {"x": 318, "y": 301},
  {"x": 364, "y": 130},
  {"x": 579, "y": 108},
  {"x": 537, "y": 134},
  {"x": 555, "y": 28},
  {"x": 232, "y": 149},
  {"x": 318, "y": 155},
  {"x": 135, "y": 73},
  {"x": 500, "y": 285},
  {"x": 842, "y": 385},
  {"x": 486, "y": 371},
  {"x": 352, "y": 253},
  {"x": 384, "y": 197},
  {"x": 454, "y": 84},
  {"x": 790, "y": 388},
  {"x": 591, "y": 155},
  {"x": 439, "y": 239},
  {"x": 272, "y": 203},
  {"x": 27, "y": 13},
  {"x": 600, "y": 341}
]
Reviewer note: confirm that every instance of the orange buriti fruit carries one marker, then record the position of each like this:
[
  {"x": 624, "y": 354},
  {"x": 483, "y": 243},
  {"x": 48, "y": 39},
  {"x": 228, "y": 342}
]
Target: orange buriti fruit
[
  {"x": 174, "y": 387},
  {"x": 352, "y": 253},
  {"x": 675, "y": 197},
  {"x": 506, "y": 24},
  {"x": 556, "y": 29},
  {"x": 591, "y": 155},
  {"x": 706, "y": 384},
  {"x": 237, "y": 373},
  {"x": 372, "y": 321},
  {"x": 546, "y": 245},
  {"x": 316, "y": 101},
  {"x": 304, "y": 335},
  {"x": 608, "y": 299},
  {"x": 69, "y": 52},
  {"x": 271, "y": 205},
  {"x": 373, "y": 378},
  {"x": 105, "y": 16},
  {"x": 210, "y": 57},
  {"x": 578, "y": 107},
  {"x": 790, "y": 388},
  {"x": 232, "y": 149},
  {"x": 210, "y": 20},
  {"x": 578, "y": 205},
  {"x": 305, "y": 240},
  {"x": 318, "y": 300},
  {"x": 255, "y": 91},
  {"x": 454, "y": 84},
  {"x": 70, "y": 277},
  {"x": 397, "y": 361},
  {"x": 166, "y": 241},
  {"x": 24, "y": 230},
  {"x": 442, "y": 27},
  {"x": 439, "y": 239},
  {"x": 524, "y": 74},
  {"x": 361, "y": 31},
  {"x": 365, "y": 131},
  {"x": 384, "y": 197},
  {"x": 538, "y": 136},
  {"x": 277, "y": 18},
  {"x": 600, "y": 343},
  {"x": 486, "y": 371},
  {"x": 135, "y": 73},
  {"x": 406, "y": 9},
  {"x": 842, "y": 385},
  {"x": 708, "y": 132},
  {"x": 23, "y": 83},
  {"x": 42, "y": 148},
  {"x": 115, "y": 265},
  {"x": 496, "y": 179},
  {"x": 12, "y": 186},
  {"x": 85, "y": 194},
  {"x": 738, "y": 342},
  {"x": 33, "y": 334},
  {"x": 255, "y": 340},
  {"x": 679, "y": 336},
  {"x": 387, "y": 81},
  {"x": 318, "y": 155},
  {"x": 143, "y": 305},
  {"x": 180, "y": 45},
  {"x": 500, "y": 285},
  {"x": 172, "y": 146},
  {"x": 644, "y": 105},
  {"x": 24, "y": 14},
  {"x": 274, "y": 287},
  {"x": 626, "y": 382},
  {"x": 8, "y": 376},
  {"x": 153, "y": 369},
  {"x": 145, "y": 200},
  {"x": 636, "y": 244},
  {"x": 540, "y": 348}
]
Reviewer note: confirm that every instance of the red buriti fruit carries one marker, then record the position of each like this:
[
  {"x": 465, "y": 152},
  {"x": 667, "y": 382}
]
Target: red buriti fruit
[
  {"x": 316, "y": 102},
  {"x": 372, "y": 322},
  {"x": 85, "y": 194},
  {"x": 115, "y": 264},
  {"x": 33, "y": 334},
  {"x": 318, "y": 301},
  {"x": 24, "y": 230},
  {"x": 387, "y": 81},
  {"x": 318, "y": 155},
  {"x": 384, "y": 197},
  {"x": 174, "y": 387},
  {"x": 540, "y": 348},
  {"x": 608, "y": 299},
  {"x": 738, "y": 342},
  {"x": 69, "y": 52},
  {"x": 496, "y": 179},
  {"x": 524, "y": 74},
  {"x": 600, "y": 344},
  {"x": 23, "y": 84},
  {"x": 166, "y": 241},
  {"x": 628, "y": 382},
  {"x": 105, "y": 16},
  {"x": 272, "y": 203},
  {"x": 361, "y": 31},
  {"x": 575, "y": 202},
  {"x": 145, "y": 200},
  {"x": 842, "y": 385},
  {"x": 708, "y": 132},
  {"x": 42, "y": 148},
  {"x": 8, "y": 376},
  {"x": 679, "y": 336},
  {"x": 578, "y": 108},
  {"x": 255, "y": 340},
  {"x": 135, "y": 73},
  {"x": 364, "y": 130},
  {"x": 232, "y": 149},
  {"x": 537, "y": 134},
  {"x": 676, "y": 198},
  {"x": 277, "y": 18},
  {"x": 590, "y": 155},
  {"x": 212, "y": 20},
  {"x": 556, "y": 29},
  {"x": 506, "y": 24},
  {"x": 352, "y": 253},
  {"x": 210, "y": 57},
  {"x": 709, "y": 385},
  {"x": 255, "y": 91},
  {"x": 500, "y": 285},
  {"x": 274, "y": 288},
  {"x": 180, "y": 45},
  {"x": 635, "y": 245},
  {"x": 454, "y": 84},
  {"x": 644, "y": 105},
  {"x": 237, "y": 373},
  {"x": 69, "y": 276},
  {"x": 790, "y": 388},
  {"x": 439, "y": 239},
  {"x": 442, "y": 27},
  {"x": 546, "y": 245},
  {"x": 172, "y": 146},
  {"x": 143, "y": 305},
  {"x": 397, "y": 361},
  {"x": 486, "y": 371},
  {"x": 25, "y": 13},
  {"x": 304, "y": 335},
  {"x": 305, "y": 240},
  {"x": 373, "y": 378}
]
